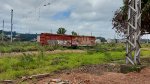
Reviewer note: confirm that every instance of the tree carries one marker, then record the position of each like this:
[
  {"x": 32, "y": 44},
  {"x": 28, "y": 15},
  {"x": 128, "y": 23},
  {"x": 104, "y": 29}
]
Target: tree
[
  {"x": 74, "y": 33},
  {"x": 61, "y": 31},
  {"x": 102, "y": 39},
  {"x": 120, "y": 18}
]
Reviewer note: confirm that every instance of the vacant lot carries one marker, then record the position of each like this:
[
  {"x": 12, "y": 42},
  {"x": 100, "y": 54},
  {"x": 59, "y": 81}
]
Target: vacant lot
[{"x": 14, "y": 67}]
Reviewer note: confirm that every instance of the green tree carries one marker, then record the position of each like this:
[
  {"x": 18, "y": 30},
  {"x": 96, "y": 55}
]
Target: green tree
[
  {"x": 74, "y": 33},
  {"x": 102, "y": 39},
  {"x": 119, "y": 20},
  {"x": 61, "y": 31}
]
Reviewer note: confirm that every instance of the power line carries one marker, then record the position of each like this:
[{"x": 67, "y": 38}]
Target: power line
[{"x": 36, "y": 10}]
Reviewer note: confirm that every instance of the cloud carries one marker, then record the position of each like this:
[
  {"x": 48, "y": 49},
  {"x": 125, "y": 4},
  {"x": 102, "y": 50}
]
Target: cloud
[{"x": 82, "y": 16}]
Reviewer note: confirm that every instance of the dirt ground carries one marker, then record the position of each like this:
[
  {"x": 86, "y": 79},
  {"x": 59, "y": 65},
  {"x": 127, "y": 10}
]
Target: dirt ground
[
  {"x": 97, "y": 74},
  {"x": 107, "y": 78}
]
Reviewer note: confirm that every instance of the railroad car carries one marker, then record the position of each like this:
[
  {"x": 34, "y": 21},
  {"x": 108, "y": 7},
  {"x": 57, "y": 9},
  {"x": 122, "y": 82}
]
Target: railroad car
[{"x": 65, "y": 40}]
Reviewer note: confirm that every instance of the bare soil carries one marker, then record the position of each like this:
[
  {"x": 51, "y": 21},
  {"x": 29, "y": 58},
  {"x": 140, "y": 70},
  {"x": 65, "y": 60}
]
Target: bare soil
[
  {"x": 97, "y": 74},
  {"x": 107, "y": 78}
]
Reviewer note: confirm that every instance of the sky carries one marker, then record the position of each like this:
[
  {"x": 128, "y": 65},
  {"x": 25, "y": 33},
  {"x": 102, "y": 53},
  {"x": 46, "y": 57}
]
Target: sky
[{"x": 86, "y": 17}]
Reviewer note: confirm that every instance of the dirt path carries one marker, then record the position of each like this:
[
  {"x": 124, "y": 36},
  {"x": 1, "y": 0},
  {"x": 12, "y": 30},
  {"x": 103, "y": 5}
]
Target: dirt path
[{"x": 36, "y": 52}]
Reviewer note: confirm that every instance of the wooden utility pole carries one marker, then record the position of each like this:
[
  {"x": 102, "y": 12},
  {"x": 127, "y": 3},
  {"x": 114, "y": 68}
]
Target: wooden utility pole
[
  {"x": 3, "y": 32},
  {"x": 11, "y": 25},
  {"x": 51, "y": 31},
  {"x": 133, "y": 32}
]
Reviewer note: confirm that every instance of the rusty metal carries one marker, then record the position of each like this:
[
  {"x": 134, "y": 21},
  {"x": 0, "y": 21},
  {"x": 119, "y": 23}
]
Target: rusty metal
[{"x": 66, "y": 40}]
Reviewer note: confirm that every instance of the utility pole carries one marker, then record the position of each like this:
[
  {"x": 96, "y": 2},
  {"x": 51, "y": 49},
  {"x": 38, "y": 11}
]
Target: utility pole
[
  {"x": 11, "y": 25},
  {"x": 51, "y": 31},
  {"x": 3, "y": 32},
  {"x": 147, "y": 39}
]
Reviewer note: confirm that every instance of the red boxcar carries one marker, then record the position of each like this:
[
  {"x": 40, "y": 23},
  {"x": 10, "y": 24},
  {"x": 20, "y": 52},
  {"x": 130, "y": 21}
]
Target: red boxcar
[{"x": 66, "y": 40}]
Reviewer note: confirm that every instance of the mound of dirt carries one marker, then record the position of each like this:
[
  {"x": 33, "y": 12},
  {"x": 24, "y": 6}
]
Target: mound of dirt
[{"x": 98, "y": 69}]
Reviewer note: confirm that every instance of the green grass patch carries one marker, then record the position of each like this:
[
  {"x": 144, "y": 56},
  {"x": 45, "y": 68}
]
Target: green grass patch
[{"x": 14, "y": 67}]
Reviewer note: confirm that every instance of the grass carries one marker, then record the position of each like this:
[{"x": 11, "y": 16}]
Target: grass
[
  {"x": 23, "y": 47},
  {"x": 29, "y": 64},
  {"x": 14, "y": 67}
]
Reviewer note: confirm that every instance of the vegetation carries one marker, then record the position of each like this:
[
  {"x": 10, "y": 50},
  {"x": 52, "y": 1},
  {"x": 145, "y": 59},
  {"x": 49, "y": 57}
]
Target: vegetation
[
  {"x": 14, "y": 67},
  {"x": 74, "y": 33},
  {"x": 120, "y": 18},
  {"x": 28, "y": 64},
  {"x": 61, "y": 31},
  {"x": 102, "y": 39},
  {"x": 23, "y": 47}
]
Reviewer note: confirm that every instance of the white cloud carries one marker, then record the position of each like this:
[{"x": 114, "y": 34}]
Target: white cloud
[
  {"x": 86, "y": 15},
  {"x": 8, "y": 7}
]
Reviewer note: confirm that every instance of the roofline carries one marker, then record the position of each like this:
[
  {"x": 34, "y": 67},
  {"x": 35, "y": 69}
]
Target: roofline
[{"x": 68, "y": 35}]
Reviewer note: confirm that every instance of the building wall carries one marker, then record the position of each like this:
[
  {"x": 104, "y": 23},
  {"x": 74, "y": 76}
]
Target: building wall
[{"x": 38, "y": 38}]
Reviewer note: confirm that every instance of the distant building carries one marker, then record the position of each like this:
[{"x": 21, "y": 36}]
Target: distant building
[
  {"x": 121, "y": 40},
  {"x": 8, "y": 33},
  {"x": 144, "y": 41},
  {"x": 27, "y": 37},
  {"x": 116, "y": 40},
  {"x": 97, "y": 41},
  {"x": 102, "y": 39},
  {"x": 111, "y": 40},
  {"x": 38, "y": 38}
]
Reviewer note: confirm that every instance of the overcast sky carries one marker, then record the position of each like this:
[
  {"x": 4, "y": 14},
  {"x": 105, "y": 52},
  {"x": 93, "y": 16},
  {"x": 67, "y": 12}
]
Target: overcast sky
[{"x": 82, "y": 16}]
